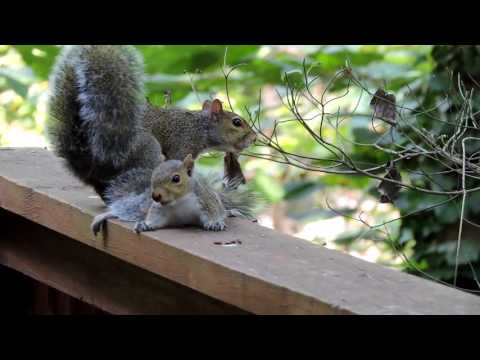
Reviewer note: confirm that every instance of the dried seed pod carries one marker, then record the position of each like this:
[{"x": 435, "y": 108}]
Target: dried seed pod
[
  {"x": 232, "y": 169},
  {"x": 384, "y": 105},
  {"x": 389, "y": 191}
]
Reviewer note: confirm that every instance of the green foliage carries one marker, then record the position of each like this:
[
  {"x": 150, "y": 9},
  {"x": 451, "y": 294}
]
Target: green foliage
[
  {"x": 270, "y": 187},
  {"x": 300, "y": 189},
  {"x": 436, "y": 233},
  {"x": 40, "y": 58}
]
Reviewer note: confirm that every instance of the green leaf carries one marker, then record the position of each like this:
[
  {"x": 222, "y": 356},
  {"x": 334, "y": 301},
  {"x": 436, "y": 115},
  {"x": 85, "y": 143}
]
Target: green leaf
[
  {"x": 40, "y": 58},
  {"x": 294, "y": 79}
]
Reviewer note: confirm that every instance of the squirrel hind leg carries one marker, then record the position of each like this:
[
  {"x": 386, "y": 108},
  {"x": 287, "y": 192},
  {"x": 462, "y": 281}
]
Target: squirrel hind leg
[
  {"x": 234, "y": 213},
  {"x": 98, "y": 223},
  {"x": 240, "y": 214},
  {"x": 142, "y": 226}
]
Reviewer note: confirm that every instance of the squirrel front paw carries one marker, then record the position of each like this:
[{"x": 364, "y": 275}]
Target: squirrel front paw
[
  {"x": 100, "y": 221},
  {"x": 97, "y": 226},
  {"x": 141, "y": 226},
  {"x": 214, "y": 226}
]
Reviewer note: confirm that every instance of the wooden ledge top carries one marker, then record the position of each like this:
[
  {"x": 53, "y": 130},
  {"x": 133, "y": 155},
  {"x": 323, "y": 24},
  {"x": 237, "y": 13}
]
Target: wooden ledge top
[{"x": 269, "y": 273}]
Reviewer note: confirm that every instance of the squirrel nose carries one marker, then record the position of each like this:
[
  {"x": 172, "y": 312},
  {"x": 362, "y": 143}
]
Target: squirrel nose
[{"x": 157, "y": 198}]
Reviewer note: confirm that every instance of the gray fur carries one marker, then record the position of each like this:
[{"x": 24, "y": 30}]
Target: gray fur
[
  {"x": 99, "y": 221},
  {"x": 132, "y": 207},
  {"x": 102, "y": 125},
  {"x": 206, "y": 204},
  {"x": 239, "y": 199},
  {"x": 167, "y": 168},
  {"x": 96, "y": 105},
  {"x": 199, "y": 132},
  {"x": 111, "y": 97},
  {"x": 131, "y": 182},
  {"x": 108, "y": 134}
]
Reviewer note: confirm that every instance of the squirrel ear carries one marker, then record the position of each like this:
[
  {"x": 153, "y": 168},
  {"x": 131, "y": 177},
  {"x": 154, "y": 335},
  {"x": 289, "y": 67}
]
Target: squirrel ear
[
  {"x": 216, "y": 107},
  {"x": 189, "y": 163},
  {"x": 206, "y": 105}
]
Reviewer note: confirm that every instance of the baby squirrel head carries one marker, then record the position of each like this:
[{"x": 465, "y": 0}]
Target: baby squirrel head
[
  {"x": 171, "y": 180},
  {"x": 233, "y": 134}
]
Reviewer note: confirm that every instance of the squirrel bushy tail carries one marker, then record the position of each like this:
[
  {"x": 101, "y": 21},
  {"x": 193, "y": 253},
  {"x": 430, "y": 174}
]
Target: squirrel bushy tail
[
  {"x": 233, "y": 195},
  {"x": 96, "y": 103}
]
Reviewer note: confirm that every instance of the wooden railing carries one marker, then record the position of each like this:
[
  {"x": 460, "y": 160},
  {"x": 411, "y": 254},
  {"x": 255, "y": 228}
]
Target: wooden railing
[{"x": 45, "y": 216}]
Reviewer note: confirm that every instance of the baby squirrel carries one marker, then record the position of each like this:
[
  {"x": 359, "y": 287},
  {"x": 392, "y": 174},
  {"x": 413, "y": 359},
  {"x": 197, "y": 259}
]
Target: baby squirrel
[
  {"x": 171, "y": 196},
  {"x": 102, "y": 125}
]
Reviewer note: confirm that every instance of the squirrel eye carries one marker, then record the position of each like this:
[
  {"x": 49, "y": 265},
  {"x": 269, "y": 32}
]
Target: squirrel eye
[
  {"x": 176, "y": 178},
  {"x": 237, "y": 122}
]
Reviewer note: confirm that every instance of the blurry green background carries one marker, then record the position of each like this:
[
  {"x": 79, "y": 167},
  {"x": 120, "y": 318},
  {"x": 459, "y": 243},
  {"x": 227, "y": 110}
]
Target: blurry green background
[{"x": 296, "y": 198}]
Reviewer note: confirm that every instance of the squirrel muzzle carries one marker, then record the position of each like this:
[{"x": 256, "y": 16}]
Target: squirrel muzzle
[
  {"x": 163, "y": 198},
  {"x": 248, "y": 140},
  {"x": 157, "y": 198}
]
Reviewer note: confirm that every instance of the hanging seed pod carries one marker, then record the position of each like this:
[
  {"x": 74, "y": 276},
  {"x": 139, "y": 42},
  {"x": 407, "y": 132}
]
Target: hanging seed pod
[
  {"x": 389, "y": 191},
  {"x": 384, "y": 105}
]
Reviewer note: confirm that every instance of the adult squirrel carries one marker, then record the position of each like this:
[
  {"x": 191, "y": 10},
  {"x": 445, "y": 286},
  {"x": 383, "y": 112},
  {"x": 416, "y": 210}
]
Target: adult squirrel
[
  {"x": 172, "y": 196},
  {"x": 102, "y": 125}
]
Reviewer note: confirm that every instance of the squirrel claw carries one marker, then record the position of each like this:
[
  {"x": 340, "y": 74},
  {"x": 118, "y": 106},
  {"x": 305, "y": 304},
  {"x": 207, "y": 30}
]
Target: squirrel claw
[
  {"x": 97, "y": 226},
  {"x": 215, "y": 226},
  {"x": 141, "y": 226}
]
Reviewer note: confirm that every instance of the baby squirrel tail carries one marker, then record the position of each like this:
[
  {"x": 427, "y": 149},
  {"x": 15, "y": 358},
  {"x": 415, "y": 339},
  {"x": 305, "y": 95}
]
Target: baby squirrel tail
[
  {"x": 96, "y": 102},
  {"x": 239, "y": 198}
]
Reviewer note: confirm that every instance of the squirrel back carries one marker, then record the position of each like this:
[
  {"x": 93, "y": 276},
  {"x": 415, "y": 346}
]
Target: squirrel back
[
  {"x": 182, "y": 132},
  {"x": 96, "y": 103}
]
